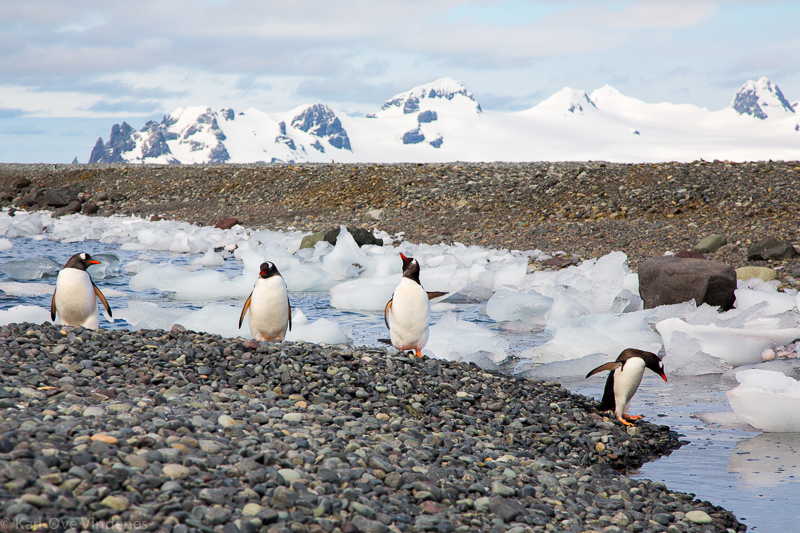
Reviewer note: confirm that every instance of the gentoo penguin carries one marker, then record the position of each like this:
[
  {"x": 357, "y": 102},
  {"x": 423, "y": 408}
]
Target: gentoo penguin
[
  {"x": 75, "y": 297},
  {"x": 409, "y": 311},
  {"x": 624, "y": 379},
  {"x": 270, "y": 310}
]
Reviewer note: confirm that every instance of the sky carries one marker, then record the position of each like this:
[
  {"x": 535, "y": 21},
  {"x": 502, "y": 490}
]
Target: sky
[{"x": 70, "y": 70}]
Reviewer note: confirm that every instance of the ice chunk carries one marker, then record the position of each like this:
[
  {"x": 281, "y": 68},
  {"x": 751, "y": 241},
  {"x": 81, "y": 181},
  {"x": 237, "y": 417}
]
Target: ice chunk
[
  {"x": 453, "y": 339},
  {"x": 216, "y": 318},
  {"x": 767, "y": 400},
  {"x": 735, "y": 346},
  {"x": 24, "y": 313},
  {"x": 777, "y": 302},
  {"x": 685, "y": 357},
  {"x": 511, "y": 275},
  {"x": 108, "y": 267},
  {"x": 308, "y": 278},
  {"x": 508, "y": 305},
  {"x": 146, "y": 315},
  {"x": 12, "y": 288},
  {"x": 209, "y": 259},
  {"x": 588, "y": 334},
  {"x": 203, "y": 285},
  {"x": 364, "y": 294},
  {"x": 5, "y": 244},
  {"x": 561, "y": 369},
  {"x": 320, "y": 331},
  {"x": 346, "y": 260},
  {"x": 28, "y": 269}
]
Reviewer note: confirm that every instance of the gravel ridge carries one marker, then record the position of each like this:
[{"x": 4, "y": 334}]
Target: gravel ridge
[
  {"x": 586, "y": 209},
  {"x": 178, "y": 432}
]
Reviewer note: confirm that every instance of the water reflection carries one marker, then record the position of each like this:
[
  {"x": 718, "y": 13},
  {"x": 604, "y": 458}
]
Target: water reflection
[{"x": 767, "y": 460}]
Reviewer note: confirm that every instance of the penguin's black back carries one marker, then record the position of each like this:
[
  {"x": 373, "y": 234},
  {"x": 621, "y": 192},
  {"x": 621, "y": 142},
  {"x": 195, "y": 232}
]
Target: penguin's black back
[{"x": 609, "y": 402}]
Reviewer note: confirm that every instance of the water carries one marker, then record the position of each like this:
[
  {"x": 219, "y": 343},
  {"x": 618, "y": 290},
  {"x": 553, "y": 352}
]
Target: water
[{"x": 756, "y": 476}]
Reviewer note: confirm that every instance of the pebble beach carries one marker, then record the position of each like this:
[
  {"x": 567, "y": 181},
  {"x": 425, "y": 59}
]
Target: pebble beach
[{"x": 179, "y": 432}]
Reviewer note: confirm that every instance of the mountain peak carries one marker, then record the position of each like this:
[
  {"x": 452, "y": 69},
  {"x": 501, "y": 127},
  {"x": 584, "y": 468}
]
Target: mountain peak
[
  {"x": 569, "y": 100},
  {"x": 761, "y": 99},
  {"x": 444, "y": 88}
]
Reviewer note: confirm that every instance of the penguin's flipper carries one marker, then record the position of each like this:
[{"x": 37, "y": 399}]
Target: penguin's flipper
[
  {"x": 53, "y": 307},
  {"x": 386, "y": 312},
  {"x": 99, "y": 295},
  {"x": 245, "y": 308},
  {"x": 608, "y": 366},
  {"x": 609, "y": 401},
  {"x": 288, "y": 303},
  {"x": 432, "y": 295}
]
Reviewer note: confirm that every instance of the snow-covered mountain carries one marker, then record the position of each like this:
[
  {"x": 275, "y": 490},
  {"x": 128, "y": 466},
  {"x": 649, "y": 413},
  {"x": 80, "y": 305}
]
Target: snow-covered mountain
[{"x": 441, "y": 121}]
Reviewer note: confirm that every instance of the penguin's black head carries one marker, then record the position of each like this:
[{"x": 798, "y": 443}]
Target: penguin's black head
[
  {"x": 655, "y": 364},
  {"x": 267, "y": 270},
  {"x": 410, "y": 268},
  {"x": 81, "y": 261}
]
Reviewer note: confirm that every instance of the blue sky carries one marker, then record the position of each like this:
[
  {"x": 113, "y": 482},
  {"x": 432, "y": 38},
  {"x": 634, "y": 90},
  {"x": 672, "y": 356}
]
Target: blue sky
[{"x": 69, "y": 70}]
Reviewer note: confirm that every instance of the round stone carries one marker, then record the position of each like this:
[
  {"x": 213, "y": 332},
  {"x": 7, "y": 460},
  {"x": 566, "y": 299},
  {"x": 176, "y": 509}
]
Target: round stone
[
  {"x": 118, "y": 503},
  {"x": 175, "y": 471},
  {"x": 102, "y": 437},
  {"x": 699, "y": 517},
  {"x": 252, "y": 509},
  {"x": 293, "y": 417}
]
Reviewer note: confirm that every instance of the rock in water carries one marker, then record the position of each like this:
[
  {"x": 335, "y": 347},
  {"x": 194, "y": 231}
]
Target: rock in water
[{"x": 672, "y": 280}]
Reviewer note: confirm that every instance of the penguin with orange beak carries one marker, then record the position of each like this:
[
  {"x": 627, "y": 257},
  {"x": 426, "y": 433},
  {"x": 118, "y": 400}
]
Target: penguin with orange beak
[
  {"x": 75, "y": 297},
  {"x": 270, "y": 310},
  {"x": 408, "y": 313},
  {"x": 624, "y": 379}
]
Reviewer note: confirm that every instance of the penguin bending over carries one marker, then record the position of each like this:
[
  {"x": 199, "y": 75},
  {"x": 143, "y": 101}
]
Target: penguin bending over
[
  {"x": 624, "y": 379},
  {"x": 408, "y": 313},
  {"x": 270, "y": 310},
  {"x": 75, "y": 297}
]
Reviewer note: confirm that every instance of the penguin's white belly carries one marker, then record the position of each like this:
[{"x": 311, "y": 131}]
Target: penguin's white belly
[
  {"x": 626, "y": 382},
  {"x": 269, "y": 309},
  {"x": 76, "y": 303},
  {"x": 409, "y": 316}
]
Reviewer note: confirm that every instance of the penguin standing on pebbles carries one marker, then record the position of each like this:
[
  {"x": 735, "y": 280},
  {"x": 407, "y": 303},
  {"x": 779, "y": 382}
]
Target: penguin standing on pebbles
[
  {"x": 624, "y": 379},
  {"x": 408, "y": 313},
  {"x": 270, "y": 310},
  {"x": 75, "y": 297}
]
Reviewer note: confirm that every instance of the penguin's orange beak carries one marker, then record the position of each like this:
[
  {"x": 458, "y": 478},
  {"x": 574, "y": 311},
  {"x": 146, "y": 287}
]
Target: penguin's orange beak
[
  {"x": 404, "y": 257},
  {"x": 663, "y": 376},
  {"x": 93, "y": 262}
]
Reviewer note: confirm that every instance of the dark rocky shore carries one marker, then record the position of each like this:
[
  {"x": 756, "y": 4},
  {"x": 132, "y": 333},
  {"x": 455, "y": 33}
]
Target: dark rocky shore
[
  {"x": 584, "y": 209},
  {"x": 182, "y": 432}
]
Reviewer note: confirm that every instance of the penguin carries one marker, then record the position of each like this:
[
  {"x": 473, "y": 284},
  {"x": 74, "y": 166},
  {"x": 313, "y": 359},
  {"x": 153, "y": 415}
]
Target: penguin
[
  {"x": 624, "y": 379},
  {"x": 75, "y": 297},
  {"x": 270, "y": 310},
  {"x": 408, "y": 313}
]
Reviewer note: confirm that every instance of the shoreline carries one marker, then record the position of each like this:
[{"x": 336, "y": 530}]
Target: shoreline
[{"x": 195, "y": 432}]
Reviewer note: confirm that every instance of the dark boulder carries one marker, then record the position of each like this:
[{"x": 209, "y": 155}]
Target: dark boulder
[
  {"x": 89, "y": 208},
  {"x": 360, "y": 235},
  {"x": 770, "y": 249},
  {"x": 226, "y": 223},
  {"x": 690, "y": 254},
  {"x": 673, "y": 280}
]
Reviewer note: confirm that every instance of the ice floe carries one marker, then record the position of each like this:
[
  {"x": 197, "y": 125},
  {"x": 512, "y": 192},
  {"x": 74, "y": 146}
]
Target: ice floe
[{"x": 767, "y": 400}]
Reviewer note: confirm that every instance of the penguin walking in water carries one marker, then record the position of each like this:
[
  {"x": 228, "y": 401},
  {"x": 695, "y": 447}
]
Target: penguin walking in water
[
  {"x": 408, "y": 313},
  {"x": 75, "y": 297},
  {"x": 270, "y": 310},
  {"x": 624, "y": 379}
]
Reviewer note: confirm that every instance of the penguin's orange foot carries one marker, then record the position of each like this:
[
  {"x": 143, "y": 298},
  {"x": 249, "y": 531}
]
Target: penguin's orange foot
[
  {"x": 419, "y": 354},
  {"x": 624, "y": 422},
  {"x": 635, "y": 417}
]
